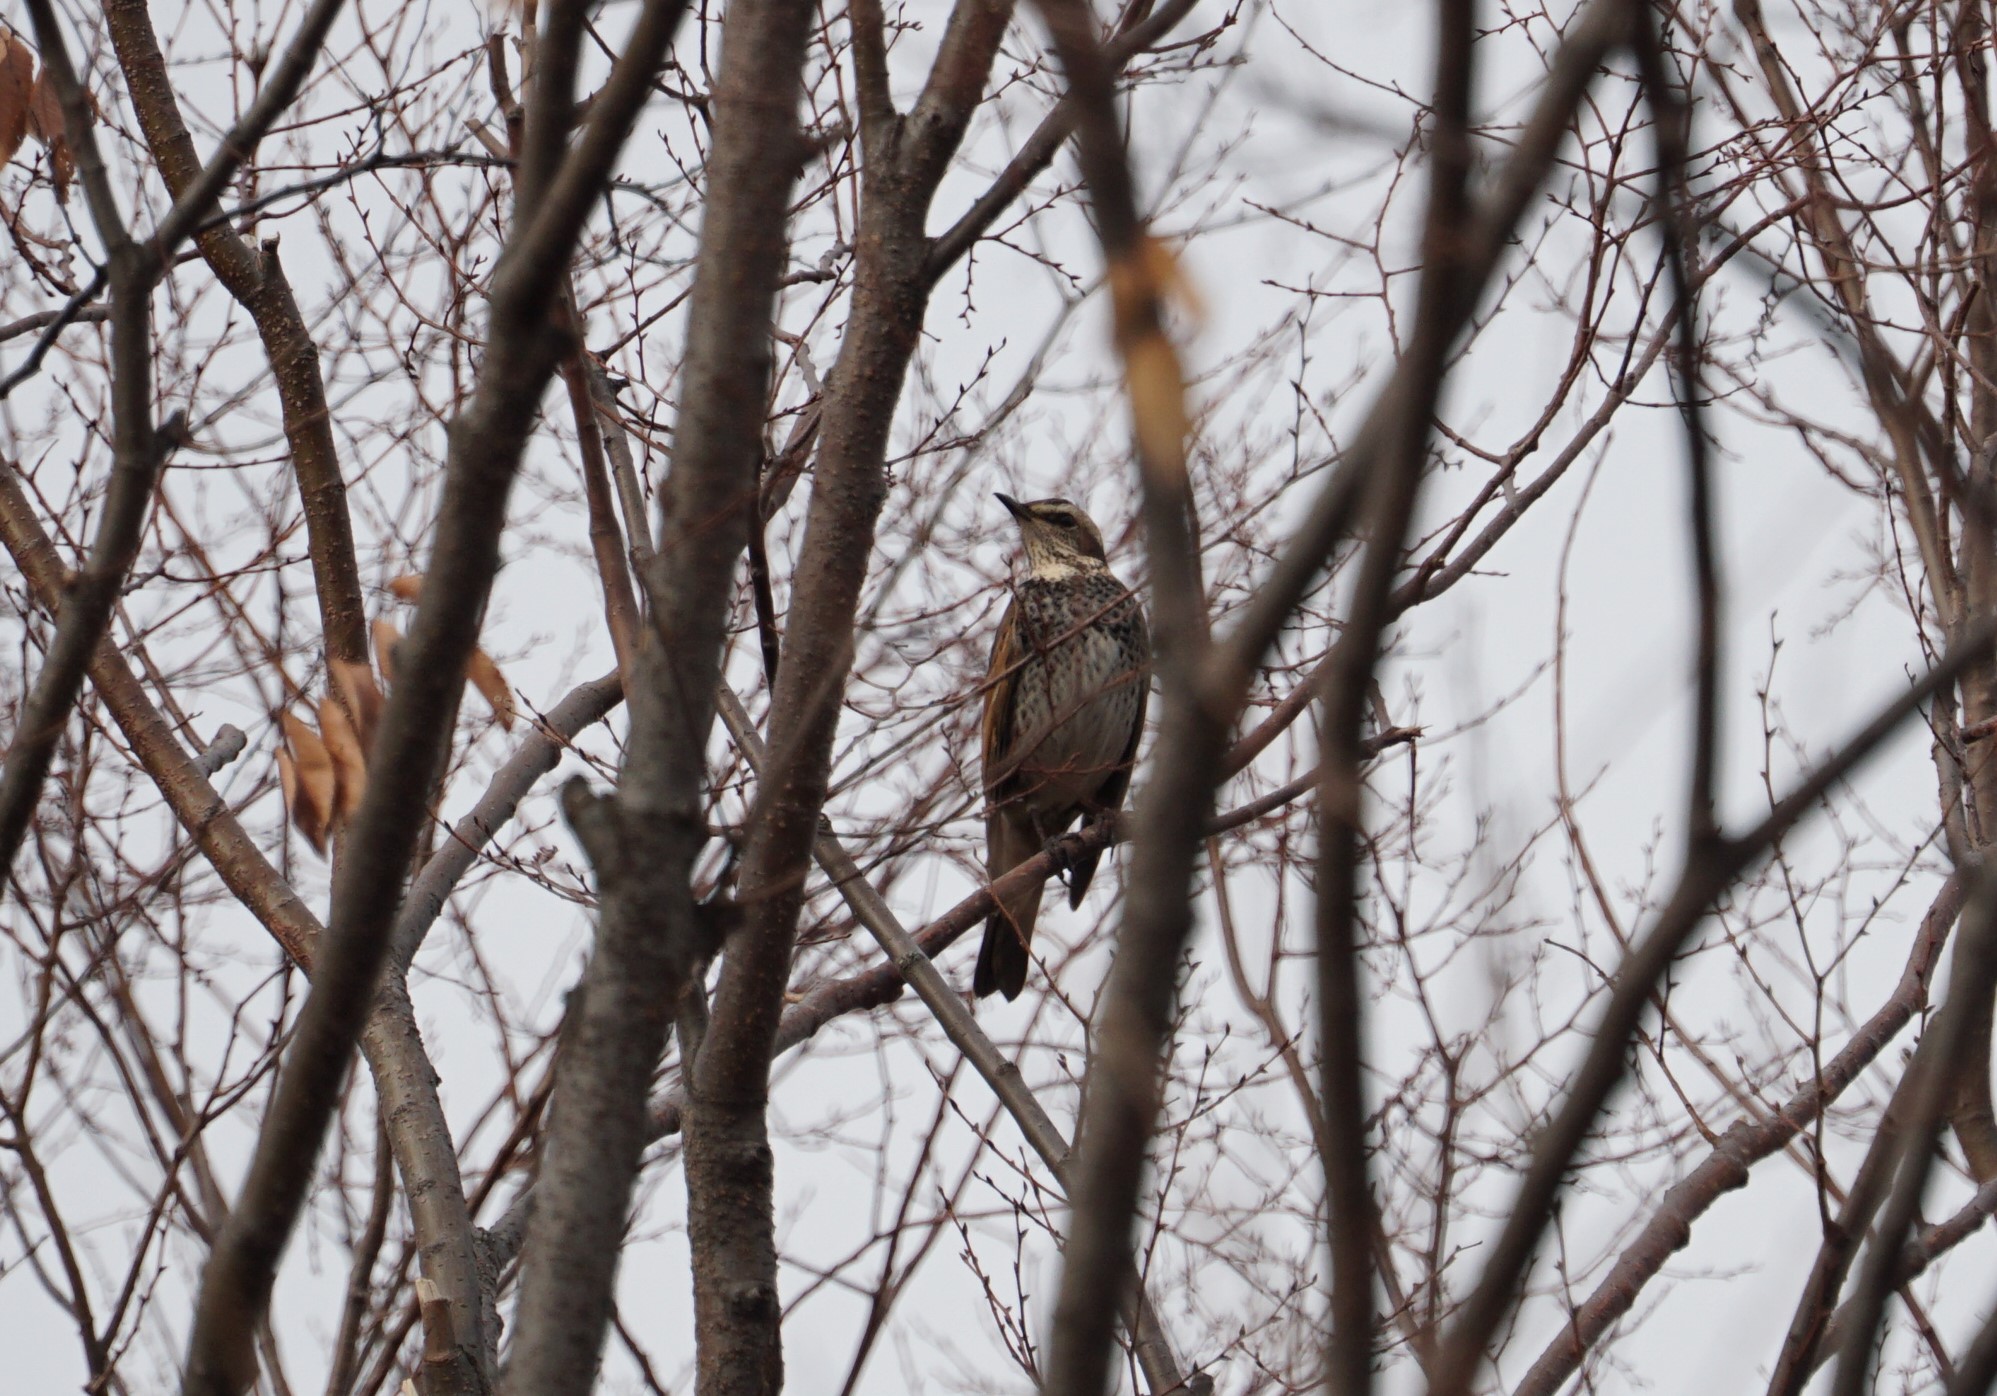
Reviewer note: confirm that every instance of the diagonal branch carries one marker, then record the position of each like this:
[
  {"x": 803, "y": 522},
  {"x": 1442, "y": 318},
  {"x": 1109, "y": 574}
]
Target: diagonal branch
[
  {"x": 1743, "y": 1145},
  {"x": 1911, "y": 1132},
  {"x": 1915, "y": 1257},
  {"x": 194, "y": 201},
  {"x": 1488, "y": 238},
  {"x": 914, "y": 968},
  {"x": 882, "y": 983},
  {"x": 486, "y": 444},
  {"x": 1709, "y": 869},
  {"x": 950, "y": 246},
  {"x": 538, "y": 754},
  {"x": 138, "y": 452},
  {"x": 255, "y": 278},
  {"x": 201, "y": 810}
]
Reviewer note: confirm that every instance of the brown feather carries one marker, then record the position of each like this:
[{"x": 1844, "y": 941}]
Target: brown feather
[
  {"x": 1002, "y": 958},
  {"x": 1001, "y": 683}
]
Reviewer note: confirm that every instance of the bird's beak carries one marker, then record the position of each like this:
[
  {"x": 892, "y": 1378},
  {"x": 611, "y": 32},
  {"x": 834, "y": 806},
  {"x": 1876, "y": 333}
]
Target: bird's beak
[{"x": 1012, "y": 506}]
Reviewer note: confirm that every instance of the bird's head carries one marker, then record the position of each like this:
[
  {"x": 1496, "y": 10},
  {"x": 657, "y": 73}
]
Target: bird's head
[{"x": 1060, "y": 539}]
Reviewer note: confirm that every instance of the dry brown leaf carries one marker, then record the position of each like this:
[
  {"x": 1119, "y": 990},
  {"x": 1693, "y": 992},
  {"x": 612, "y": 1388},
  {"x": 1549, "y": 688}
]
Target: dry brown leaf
[
  {"x": 17, "y": 87},
  {"x": 287, "y": 781},
  {"x": 1141, "y": 283},
  {"x": 1158, "y": 407},
  {"x": 1150, "y": 275},
  {"x": 29, "y": 106},
  {"x": 484, "y": 675},
  {"x": 343, "y": 745},
  {"x": 354, "y": 685},
  {"x": 45, "y": 119},
  {"x": 408, "y": 587},
  {"x": 386, "y": 638},
  {"x": 317, "y": 785},
  {"x": 45, "y": 124}
]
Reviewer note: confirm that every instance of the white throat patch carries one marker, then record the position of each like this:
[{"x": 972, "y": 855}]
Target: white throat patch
[{"x": 1056, "y": 567}]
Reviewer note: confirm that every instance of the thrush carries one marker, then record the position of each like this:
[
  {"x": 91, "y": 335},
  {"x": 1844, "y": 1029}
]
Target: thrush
[{"x": 1064, "y": 704}]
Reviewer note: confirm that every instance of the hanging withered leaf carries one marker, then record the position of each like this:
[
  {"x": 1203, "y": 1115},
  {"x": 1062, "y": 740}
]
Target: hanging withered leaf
[
  {"x": 29, "y": 107},
  {"x": 354, "y": 686},
  {"x": 287, "y": 780},
  {"x": 343, "y": 747},
  {"x": 386, "y": 638},
  {"x": 1141, "y": 284},
  {"x": 45, "y": 124},
  {"x": 484, "y": 675},
  {"x": 480, "y": 671},
  {"x": 315, "y": 787},
  {"x": 17, "y": 88}
]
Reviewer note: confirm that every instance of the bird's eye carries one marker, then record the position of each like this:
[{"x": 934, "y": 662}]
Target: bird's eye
[{"x": 1060, "y": 519}]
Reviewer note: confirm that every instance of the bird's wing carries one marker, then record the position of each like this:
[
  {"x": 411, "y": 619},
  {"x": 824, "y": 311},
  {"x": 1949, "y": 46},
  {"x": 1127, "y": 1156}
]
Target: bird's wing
[
  {"x": 1003, "y": 959},
  {"x": 1109, "y": 797},
  {"x": 1002, "y": 685}
]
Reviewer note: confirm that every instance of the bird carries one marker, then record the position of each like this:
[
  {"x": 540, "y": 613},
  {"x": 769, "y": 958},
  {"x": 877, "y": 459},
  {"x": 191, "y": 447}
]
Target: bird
[{"x": 1065, "y": 696}]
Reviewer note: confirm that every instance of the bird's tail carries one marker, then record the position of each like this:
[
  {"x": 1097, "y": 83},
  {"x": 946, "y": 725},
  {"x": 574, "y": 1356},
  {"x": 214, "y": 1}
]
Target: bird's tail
[{"x": 1002, "y": 959}]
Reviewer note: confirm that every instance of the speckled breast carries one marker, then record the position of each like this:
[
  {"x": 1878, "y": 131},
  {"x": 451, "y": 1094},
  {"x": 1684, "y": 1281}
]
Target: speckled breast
[{"x": 1079, "y": 690}]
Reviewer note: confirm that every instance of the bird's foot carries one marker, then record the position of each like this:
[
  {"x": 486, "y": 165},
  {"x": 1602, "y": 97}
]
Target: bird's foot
[{"x": 1066, "y": 850}]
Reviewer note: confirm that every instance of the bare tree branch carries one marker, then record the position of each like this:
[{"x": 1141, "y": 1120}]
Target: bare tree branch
[
  {"x": 1908, "y": 1137},
  {"x": 486, "y": 445},
  {"x": 255, "y": 278},
  {"x": 1708, "y": 870},
  {"x": 916, "y": 969},
  {"x": 729, "y": 1176},
  {"x": 1744, "y": 1144},
  {"x": 652, "y": 939},
  {"x": 200, "y": 809},
  {"x": 138, "y": 452}
]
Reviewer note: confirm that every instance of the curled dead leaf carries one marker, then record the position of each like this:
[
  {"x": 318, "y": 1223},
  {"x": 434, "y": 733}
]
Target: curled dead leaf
[
  {"x": 386, "y": 638},
  {"x": 354, "y": 685},
  {"x": 45, "y": 124},
  {"x": 408, "y": 587},
  {"x": 17, "y": 87},
  {"x": 1145, "y": 280},
  {"x": 343, "y": 748},
  {"x": 315, "y": 784},
  {"x": 1158, "y": 408},
  {"x": 484, "y": 675},
  {"x": 45, "y": 121},
  {"x": 287, "y": 781},
  {"x": 29, "y": 106}
]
